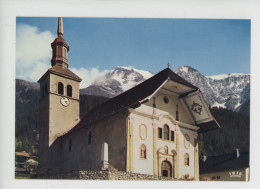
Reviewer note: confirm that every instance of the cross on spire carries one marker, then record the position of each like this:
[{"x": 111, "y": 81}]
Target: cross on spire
[{"x": 168, "y": 64}]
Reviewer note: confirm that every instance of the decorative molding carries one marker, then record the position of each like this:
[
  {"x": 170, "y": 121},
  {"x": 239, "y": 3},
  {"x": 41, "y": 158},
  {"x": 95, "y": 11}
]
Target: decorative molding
[
  {"x": 176, "y": 93},
  {"x": 164, "y": 154},
  {"x": 188, "y": 109},
  {"x": 140, "y": 152},
  {"x": 154, "y": 152},
  {"x": 64, "y": 96},
  {"x": 165, "y": 140},
  {"x": 144, "y": 114},
  {"x": 186, "y": 159},
  {"x": 196, "y": 159},
  {"x": 166, "y": 149},
  {"x": 186, "y": 141},
  {"x": 178, "y": 155},
  {"x": 140, "y": 132},
  {"x": 162, "y": 139},
  {"x": 149, "y": 97},
  {"x": 131, "y": 146},
  {"x": 167, "y": 116},
  {"x": 128, "y": 156},
  {"x": 166, "y": 157},
  {"x": 196, "y": 107},
  {"x": 204, "y": 103}
]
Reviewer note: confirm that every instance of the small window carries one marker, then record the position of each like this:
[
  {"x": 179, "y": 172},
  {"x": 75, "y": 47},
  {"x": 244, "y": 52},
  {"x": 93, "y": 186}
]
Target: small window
[
  {"x": 60, "y": 88},
  {"x": 218, "y": 177},
  {"x": 186, "y": 159},
  {"x": 213, "y": 178},
  {"x": 172, "y": 135},
  {"x": 69, "y": 90},
  {"x": 143, "y": 151},
  {"x": 166, "y": 100},
  {"x": 159, "y": 132},
  {"x": 89, "y": 137},
  {"x": 70, "y": 145},
  {"x": 166, "y": 132}
]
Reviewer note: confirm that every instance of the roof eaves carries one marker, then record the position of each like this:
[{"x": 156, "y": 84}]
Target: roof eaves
[
  {"x": 76, "y": 78},
  {"x": 150, "y": 96}
]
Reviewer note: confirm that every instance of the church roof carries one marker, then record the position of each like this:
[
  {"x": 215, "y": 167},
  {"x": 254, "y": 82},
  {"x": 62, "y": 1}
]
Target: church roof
[
  {"x": 228, "y": 162},
  {"x": 62, "y": 71},
  {"x": 139, "y": 94}
]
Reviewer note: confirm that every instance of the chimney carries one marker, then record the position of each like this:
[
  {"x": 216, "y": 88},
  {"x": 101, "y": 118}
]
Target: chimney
[{"x": 237, "y": 153}]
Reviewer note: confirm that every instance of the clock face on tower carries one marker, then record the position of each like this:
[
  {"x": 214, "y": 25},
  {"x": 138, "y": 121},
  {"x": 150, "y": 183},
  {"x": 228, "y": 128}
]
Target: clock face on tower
[{"x": 64, "y": 101}]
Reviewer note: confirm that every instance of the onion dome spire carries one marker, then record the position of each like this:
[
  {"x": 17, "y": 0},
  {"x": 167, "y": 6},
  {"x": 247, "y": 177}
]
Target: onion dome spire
[{"x": 59, "y": 48}]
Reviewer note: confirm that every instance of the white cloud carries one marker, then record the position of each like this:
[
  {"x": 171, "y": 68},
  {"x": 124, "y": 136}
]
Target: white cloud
[
  {"x": 88, "y": 76},
  {"x": 33, "y": 52}
]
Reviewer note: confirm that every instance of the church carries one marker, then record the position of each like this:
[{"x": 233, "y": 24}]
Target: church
[{"x": 151, "y": 129}]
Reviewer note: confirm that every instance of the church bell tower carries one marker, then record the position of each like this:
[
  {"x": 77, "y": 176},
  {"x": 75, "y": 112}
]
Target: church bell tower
[{"x": 59, "y": 101}]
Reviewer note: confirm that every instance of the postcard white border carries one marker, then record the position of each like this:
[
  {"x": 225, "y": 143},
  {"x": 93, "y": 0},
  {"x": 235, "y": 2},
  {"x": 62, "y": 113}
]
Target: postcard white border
[{"x": 9, "y": 9}]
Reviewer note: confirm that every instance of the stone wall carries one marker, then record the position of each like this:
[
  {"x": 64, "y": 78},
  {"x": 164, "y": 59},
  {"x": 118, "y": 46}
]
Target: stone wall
[
  {"x": 107, "y": 175},
  {"x": 85, "y": 156}
]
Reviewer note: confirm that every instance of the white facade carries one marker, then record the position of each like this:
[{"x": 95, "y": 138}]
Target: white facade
[{"x": 146, "y": 121}]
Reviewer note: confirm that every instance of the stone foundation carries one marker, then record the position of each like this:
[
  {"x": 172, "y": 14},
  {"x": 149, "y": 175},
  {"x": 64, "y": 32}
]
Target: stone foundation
[{"x": 107, "y": 175}]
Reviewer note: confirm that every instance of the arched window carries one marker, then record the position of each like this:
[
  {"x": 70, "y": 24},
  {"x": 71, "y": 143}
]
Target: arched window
[
  {"x": 89, "y": 137},
  {"x": 166, "y": 132},
  {"x": 143, "y": 151},
  {"x": 69, "y": 90},
  {"x": 186, "y": 159},
  {"x": 70, "y": 145},
  {"x": 60, "y": 88}
]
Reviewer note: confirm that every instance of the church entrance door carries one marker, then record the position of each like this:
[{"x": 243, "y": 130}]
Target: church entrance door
[{"x": 166, "y": 169}]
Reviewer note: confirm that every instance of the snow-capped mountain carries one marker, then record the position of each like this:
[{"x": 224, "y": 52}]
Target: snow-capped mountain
[
  {"x": 116, "y": 81},
  {"x": 227, "y": 91}
]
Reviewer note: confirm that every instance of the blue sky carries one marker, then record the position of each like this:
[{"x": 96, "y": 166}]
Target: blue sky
[{"x": 211, "y": 46}]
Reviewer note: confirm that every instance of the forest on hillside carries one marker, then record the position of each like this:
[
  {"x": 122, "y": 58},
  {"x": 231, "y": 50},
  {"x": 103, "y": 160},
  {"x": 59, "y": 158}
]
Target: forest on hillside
[{"x": 234, "y": 132}]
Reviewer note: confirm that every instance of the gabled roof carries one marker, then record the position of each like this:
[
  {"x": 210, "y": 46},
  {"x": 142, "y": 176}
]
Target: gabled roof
[
  {"x": 228, "y": 162},
  {"x": 135, "y": 96},
  {"x": 62, "y": 71}
]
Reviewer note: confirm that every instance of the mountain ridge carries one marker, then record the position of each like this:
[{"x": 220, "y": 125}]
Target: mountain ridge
[
  {"x": 235, "y": 125},
  {"x": 230, "y": 91},
  {"x": 224, "y": 90}
]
